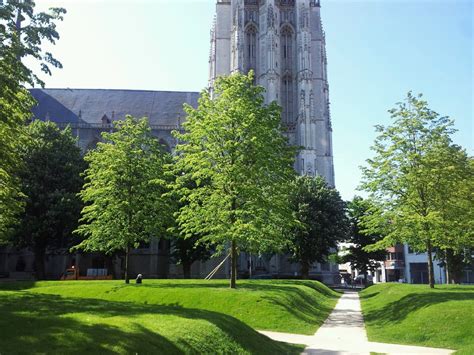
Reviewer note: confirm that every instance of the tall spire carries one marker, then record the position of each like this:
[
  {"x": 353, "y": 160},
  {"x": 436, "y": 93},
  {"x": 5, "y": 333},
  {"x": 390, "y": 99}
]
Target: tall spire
[{"x": 283, "y": 42}]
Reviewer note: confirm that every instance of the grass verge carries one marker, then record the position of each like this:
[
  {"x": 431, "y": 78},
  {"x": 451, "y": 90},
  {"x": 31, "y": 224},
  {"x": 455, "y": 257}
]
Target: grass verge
[
  {"x": 174, "y": 316},
  {"x": 417, "y": 315}
]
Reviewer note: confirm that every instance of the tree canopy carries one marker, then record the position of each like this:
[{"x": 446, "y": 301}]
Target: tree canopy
[
  {"x": 50, "y": 180},
  {"x": 356, "y": 254},
  {"x": 233, "y": 148},
  {"x": 18, "y": 42},
  {"x": 123, "y": 190},
  {"x": 419, "y": 179},
  {"x": 320, "y": 212}
]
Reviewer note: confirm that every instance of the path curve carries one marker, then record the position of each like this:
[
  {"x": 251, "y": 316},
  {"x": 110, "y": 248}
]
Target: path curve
[{"x": 343, "y": 332}]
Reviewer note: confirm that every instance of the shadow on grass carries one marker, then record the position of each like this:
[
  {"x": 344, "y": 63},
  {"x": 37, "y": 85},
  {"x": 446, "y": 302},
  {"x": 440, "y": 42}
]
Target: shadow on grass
[
  {"x": 38, "y": 323},
  {"x": 16, "y": 285},
  {"x": 302, "y": 306},
  {"x": 295, "y": 300},
  {"x": 257, "y": 285},
  {"x": 369, "y": 295},
  {"x": 398, "y": 310}
]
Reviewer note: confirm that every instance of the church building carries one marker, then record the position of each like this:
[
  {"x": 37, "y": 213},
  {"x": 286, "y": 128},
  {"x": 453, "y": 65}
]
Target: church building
[{"x": 283, "y": 42}]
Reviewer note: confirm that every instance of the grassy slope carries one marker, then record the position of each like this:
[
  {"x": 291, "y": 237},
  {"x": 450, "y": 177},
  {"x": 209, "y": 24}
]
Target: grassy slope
[
  {"x": 416, "y": 315},
  {"x": 170, "y": 315}
]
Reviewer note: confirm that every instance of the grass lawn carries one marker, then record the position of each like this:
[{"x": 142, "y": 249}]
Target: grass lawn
[
  {"x": 417, "y": 315},
  {"x": 172, "y": 316}
]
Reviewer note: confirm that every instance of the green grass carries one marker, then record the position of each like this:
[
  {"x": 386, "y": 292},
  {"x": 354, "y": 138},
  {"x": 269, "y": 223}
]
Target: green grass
[
  {"x": 172, "y": 316},
  {"x": 416, "y": 315}
]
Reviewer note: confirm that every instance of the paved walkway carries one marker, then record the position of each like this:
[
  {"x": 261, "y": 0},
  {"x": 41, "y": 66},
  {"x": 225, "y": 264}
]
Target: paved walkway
[{"x": 343, "y": 332}]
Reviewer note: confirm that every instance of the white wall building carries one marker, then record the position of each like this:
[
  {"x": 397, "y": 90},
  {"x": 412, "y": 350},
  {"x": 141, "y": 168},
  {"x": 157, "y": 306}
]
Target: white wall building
[{"x": 416, "y": 267}]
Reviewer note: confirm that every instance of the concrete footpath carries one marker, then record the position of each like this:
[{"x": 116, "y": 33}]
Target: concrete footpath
[{"x": 343, "y": 332}]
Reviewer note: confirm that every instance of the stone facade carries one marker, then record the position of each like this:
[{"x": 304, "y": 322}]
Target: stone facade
[{"x": 283, "y": 42}]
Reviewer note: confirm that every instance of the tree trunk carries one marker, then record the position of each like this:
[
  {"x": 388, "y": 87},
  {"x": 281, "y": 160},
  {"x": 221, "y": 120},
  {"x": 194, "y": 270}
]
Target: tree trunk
[
  {"x": 304, "y": 270},
  {"x": 39, "y": 263},
  {"x": 186, "y": 270},
  {"x": 250, "y": 266},
  {"x": 430, "y": 264},
  {"x": 448, "y": 274},
  {"x": 454, "y": 263},
  {"x": 126, "y": 265},
  {"x": 233, "y": 270},
  {"x": 109, "y": 264}
]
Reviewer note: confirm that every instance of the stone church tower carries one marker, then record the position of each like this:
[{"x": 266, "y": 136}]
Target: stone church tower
[{"x": 283, "y": 42}]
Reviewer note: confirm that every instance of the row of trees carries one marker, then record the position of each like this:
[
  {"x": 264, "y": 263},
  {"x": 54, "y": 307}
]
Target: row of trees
[
  {"x": 226, "y": 189},
  {"x": 231, "y": 187},
  {"x": 231, "y": 184}
]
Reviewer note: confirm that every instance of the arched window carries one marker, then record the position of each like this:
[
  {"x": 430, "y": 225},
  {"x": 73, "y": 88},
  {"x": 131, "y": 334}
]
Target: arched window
[
  {"x": 287, "y": 99},
  {"x": 287, "y": 54},
  {"x": 250, "y": 48}
]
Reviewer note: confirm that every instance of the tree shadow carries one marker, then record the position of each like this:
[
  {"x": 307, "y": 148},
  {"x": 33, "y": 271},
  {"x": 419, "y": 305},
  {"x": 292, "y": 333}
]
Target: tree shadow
[
  {"x": 36, "y": 325},
  {"x": 303, "y": 307},
  {"x": 283, "y": 293},
  {"x": 398, "y": 310},
  {"x": 16, "y": 285},
  {"x": 253, "y": 285},
  {"x": 40, "y": 323}
]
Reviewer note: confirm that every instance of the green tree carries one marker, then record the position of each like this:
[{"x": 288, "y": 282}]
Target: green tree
[
  {"x": 50, "y": 180},
  {"x": 186, "y": 251},
  {"x": 234, "y": 150},
  {"x": 16, "y": 44},
  {"x": 356, "y": 255},
  {"x": 415, "y": 177},
  {"x": 123, "y": 192},
  {"x": 456, "y": 205},
  {"x": 320, "y": 212}
]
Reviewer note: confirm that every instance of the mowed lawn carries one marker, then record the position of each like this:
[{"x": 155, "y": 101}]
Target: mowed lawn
[
  {"x": 417, "y": 315},
  {"x": 166, "y": 316}
]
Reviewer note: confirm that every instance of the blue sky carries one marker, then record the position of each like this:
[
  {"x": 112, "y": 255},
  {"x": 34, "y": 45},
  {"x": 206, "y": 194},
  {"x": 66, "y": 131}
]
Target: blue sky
[{"x": 377, "y": 51}]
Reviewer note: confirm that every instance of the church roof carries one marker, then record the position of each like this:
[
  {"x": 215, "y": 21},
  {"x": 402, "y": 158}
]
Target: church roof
[{"x": 89, "y": 106}]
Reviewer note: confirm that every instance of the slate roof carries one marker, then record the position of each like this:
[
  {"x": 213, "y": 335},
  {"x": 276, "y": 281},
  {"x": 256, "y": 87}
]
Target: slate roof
[{"x": 90, "y": 105}]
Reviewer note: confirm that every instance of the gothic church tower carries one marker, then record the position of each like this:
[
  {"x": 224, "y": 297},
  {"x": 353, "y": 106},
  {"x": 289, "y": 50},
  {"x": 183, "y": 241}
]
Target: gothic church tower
[{"x": 283, "y": 42}]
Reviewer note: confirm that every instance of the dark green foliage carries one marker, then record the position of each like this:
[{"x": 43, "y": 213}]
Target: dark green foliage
[
  {"x": 454, "y": 261},
  {"x": 356, "y": 255},
  {"x": 186, "y": 251},
  {"x": 320, "y": 212},
  {"x": 17, "y": 43},
  {"x": 234, "y": 151},
  {"x": 123, "y": 192},
  {"x": 50, "y": 180}
]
